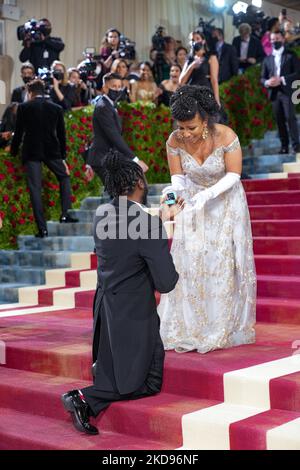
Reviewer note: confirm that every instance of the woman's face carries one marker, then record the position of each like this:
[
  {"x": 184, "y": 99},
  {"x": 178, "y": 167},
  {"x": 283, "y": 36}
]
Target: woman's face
[
  {"x": 59, "y": 68},
  {"x": 113, "y": 39},
  {"x": 75, "y": 78},
  {"x": 145, "y": 72},
  {"x": 191, "y": 130},
  {"x": 175, "y": 73},
  {"x": 198, "y": 38},
  {"x": 181, "y": 56},
  {"x": 122, "y": 69}
]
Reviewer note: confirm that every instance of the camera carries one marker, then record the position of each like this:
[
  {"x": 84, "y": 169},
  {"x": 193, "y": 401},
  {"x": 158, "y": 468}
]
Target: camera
[
  {"x": 32, "y": 30},
  {"x": 88, "y": 68},
  {"x": 127, "y": 48},
  {"x": 158, "y": 40},
  {"x": 254, "y": 17},
  {"x": 47, "y": 76}
]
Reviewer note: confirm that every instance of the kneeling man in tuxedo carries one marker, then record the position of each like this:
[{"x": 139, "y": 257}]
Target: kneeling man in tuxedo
[{"x": 133, "y": 262}]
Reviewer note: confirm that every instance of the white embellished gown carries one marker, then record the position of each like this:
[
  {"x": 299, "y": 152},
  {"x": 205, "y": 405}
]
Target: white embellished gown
[{"x": 213, "y": 305}]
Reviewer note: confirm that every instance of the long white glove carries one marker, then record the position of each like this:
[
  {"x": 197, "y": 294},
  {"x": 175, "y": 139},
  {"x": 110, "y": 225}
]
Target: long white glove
[
  {"x": 227, "y": 182},
  {"x": 178, "y": 184}
]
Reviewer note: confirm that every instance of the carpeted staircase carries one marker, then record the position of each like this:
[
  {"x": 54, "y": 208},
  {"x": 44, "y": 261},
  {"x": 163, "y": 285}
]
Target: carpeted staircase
[{"x": 242, "y": 398}]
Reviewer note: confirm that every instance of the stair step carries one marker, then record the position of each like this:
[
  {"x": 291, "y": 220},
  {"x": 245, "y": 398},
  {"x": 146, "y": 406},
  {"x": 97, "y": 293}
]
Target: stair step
[
  {"x": 275, "y": 212},
  {"x": 278, "y": 264},
  {"x": 278, "y": 286},
  {"x": 77, "y": 244},
  {"x": 273, "y": 197},
  {"x": 50, "y": 434},
  {"x": 278, "y": 310},
  {"x": 277, "y": 245},
  {"x": 276, "y": 228}
]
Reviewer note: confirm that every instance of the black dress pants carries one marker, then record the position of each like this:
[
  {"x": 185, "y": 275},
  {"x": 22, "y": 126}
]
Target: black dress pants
[
  {"x": 98, "y": 400},
  {"x": 34, "y": 180},
  {"x": 284, "y": 111}
]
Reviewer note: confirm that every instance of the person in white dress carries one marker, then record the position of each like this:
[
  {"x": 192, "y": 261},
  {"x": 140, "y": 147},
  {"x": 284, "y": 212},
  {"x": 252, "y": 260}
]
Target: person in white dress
[{"x": 214, "y": 303}]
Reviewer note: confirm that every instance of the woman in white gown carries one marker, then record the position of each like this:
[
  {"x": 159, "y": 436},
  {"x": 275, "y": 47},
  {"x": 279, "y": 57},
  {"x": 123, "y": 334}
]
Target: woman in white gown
[{"x": 214, "y": 303}]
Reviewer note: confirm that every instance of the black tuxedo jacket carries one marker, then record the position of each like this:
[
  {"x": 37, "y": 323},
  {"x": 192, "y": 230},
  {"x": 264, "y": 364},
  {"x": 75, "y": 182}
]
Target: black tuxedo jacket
[
  {"x": 228, "y": 61},
  {"x": 290, "y": 70},
  {"x": 255, "y": 49},
  {"x": 18, "y": 95},
  {"x": 40, "y": 125},
  {"x": 107, "y": 134},
  {"x": 130, "y": 269}
]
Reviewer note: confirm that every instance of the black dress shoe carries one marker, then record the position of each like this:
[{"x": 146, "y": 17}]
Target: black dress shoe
[
  {"x": 283, "y": 151},
  {"x": 66, "y": 219},
  {"x": 94, "y": 366},
  {"x": 42, "y": 234},
  {"x": 79, "y": 410}
]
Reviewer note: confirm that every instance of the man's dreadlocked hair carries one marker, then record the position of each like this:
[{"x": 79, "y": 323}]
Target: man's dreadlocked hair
[
  {"x": 121, "y": 174},
  {"x": 189, "y": 100}
]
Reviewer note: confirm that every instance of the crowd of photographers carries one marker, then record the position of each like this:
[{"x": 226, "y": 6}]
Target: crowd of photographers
[{"x": 207, "y": 60}]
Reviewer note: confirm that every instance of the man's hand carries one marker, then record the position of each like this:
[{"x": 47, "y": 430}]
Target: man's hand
[
  {"x": 251, "y": 60},
  {"x": 89, "y": 173},
  {"x": 143, "y": 166},
  {"x": 67, "y": 168},
  {"x": 169, "y": 212},
  {"x": 274, "y": 81}
]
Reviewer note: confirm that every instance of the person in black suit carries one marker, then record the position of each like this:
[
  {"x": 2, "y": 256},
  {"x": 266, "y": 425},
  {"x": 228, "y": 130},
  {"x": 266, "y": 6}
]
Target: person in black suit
[
  {"x": 228, "y": 61},
  {"x": 19, "y": 94},
  {"x": 248, "y": 48},
  {"x": 40, "y": 124},
  {"x": 42, "y": 53},
  {"x": 108, "y": 129},
  {"x": 279, "y": 71},
  {"x": 134, "y": 261}
]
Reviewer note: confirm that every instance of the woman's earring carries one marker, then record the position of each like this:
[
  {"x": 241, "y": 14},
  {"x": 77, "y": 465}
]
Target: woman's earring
[{"x": 205, "y": 133}]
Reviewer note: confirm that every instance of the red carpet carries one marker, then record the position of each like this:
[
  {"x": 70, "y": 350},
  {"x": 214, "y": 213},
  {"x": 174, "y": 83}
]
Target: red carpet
[{"x": 50, "y": 353}]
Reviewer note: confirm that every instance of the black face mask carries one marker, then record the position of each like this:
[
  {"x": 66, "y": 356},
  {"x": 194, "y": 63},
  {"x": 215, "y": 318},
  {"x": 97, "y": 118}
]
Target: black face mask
[
  {"x": 277, "y": 45},
  {"x": 27, "y": 80},
  {"x": 114, "y": 95}
]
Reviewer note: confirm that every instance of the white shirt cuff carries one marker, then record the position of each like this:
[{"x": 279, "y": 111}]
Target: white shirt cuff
[
  {"x": 283, "y": 81},
  {"x": 136, "y": 159}
]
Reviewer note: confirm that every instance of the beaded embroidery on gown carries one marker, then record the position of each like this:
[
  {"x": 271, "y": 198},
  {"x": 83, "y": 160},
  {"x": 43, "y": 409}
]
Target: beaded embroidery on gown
[{"x": 213, "y": 305}]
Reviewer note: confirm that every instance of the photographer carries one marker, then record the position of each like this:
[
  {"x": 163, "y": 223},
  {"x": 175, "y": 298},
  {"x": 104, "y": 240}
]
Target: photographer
[
  {"x": 43, "y": 50},
  {"x": 248, "y": 48},
  {"x": 110, "y": 46},
  {"x": 202, "y": 68},
  {"x": 163, "y": 57},
  {"x": 19, "y": 94},
  {"x": 62, "y": 92},
  {"x": 81, "y": 89}
]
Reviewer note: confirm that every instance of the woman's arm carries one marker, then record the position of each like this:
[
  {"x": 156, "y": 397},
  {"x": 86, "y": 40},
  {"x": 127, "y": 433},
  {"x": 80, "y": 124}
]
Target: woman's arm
[
  {"x": 187, "y": 72},
  {"x": 133, "y": 91},
  {"x": 214, "y": 77}
]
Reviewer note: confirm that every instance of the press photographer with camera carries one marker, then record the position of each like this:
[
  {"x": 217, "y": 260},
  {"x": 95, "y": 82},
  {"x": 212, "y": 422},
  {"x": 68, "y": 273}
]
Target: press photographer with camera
[
  {"x": 162, "y": 54},
  {"x": 19, "y": 94},
  {"x": 62, "y": 92},
  {"x": 116, "y": 46},
  {"x": 81, "y": 88},
  {"x": 202, "y": 67},
  {"x": 40, "y": 49}
]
